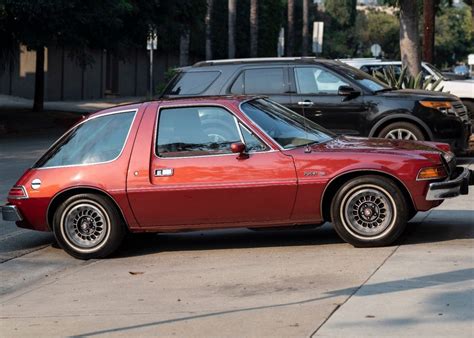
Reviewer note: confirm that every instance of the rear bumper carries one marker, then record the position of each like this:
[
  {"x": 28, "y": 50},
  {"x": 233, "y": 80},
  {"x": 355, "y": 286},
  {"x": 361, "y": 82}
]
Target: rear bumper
[
  {"x": 10, "y": 213},
  {"x": 459, "y": 185}
]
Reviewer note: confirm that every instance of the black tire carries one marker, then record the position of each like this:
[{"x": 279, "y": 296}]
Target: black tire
[
  {"x": 88, "y": 226},
  {"x": 470, "y": 109},
  {"x": 404, "y": 126},
  {"x": 369, "y": 211}
]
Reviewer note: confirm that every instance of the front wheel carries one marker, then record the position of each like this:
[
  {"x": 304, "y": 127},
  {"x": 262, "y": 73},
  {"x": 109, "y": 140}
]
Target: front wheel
[
  {"x": 402, "y": 131},
  {"x": 369, "y": 211},
  {"x": 88, "y": 226}
]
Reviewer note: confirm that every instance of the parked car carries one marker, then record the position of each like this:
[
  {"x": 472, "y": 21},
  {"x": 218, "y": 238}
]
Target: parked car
[
  {"x": 338, "y": 97},
  {"x": 207, "y": 163},
  {"x": 462, "y": 88}
]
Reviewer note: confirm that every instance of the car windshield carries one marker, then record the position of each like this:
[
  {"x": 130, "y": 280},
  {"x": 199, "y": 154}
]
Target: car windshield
[
  {"x": 286, "y": 127},
  {"x": 361, "y": 78},
  {"x": 435, "y": 70}
]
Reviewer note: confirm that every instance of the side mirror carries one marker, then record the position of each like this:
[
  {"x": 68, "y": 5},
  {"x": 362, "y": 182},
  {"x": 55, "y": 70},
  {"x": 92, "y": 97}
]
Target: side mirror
[
  {"x": 348, "y": 92},
  {"x": 239, "y": 148}
]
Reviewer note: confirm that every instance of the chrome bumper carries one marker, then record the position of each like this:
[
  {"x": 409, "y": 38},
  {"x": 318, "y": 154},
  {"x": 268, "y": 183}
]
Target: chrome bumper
[
  {"x": 10, "y": 213},
  {"x": 451, "y": 188}
]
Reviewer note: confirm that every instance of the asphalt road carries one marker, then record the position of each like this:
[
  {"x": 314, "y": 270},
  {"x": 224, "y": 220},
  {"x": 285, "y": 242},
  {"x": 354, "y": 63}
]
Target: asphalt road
[{"x": 238, "y": 282}]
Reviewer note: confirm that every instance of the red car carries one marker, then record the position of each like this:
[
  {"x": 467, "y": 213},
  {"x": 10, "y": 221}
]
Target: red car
[{"x": 224, "y": 162}]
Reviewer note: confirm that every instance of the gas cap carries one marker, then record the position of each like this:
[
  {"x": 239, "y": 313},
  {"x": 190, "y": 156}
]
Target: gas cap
[{"x": 36, "y": 184}]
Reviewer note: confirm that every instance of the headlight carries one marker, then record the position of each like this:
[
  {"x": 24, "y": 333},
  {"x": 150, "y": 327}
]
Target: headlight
[
  {"x": 431, "y": 173},
  {"x": 446, "y": 107}
]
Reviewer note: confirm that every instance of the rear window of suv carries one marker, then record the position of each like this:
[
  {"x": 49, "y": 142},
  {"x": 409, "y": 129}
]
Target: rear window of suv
[
  {"x": 260, "y": 81},
  {"x": 191, "y": 83}
]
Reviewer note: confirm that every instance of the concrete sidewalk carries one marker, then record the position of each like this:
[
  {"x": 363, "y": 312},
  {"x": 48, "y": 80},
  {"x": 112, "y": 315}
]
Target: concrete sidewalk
[{"x": 84, "y": 106}]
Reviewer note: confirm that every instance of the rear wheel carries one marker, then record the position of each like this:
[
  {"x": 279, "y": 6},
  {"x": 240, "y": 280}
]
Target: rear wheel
[
  {"x": 88, "y": 226},
  {"x": 369, "y": 211},
  {"x": 402, "y": 131}
]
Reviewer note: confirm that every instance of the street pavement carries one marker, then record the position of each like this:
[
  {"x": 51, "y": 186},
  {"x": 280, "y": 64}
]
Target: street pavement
[{"x": 239, "y": 283}]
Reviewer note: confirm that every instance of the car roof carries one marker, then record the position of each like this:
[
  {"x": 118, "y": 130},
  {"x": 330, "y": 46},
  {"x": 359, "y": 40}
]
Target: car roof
[{"x": 201, "y": 99}]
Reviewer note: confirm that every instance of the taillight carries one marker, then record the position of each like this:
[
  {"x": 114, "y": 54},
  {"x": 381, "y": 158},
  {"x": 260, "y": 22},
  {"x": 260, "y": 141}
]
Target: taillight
[{"x": 17, "y": 192}]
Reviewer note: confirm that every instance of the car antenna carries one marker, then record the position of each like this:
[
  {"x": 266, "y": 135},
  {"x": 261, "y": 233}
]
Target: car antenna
[{"x": 303, "y": 104}]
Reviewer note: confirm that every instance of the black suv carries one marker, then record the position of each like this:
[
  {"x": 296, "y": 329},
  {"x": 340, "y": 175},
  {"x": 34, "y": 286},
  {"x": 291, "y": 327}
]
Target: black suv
[{"x": 333, "y": 94}]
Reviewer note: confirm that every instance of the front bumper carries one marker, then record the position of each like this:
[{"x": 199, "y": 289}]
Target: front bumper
[
  {"x": 10, "y": 213},
  {"x": 459, "y": 185}
]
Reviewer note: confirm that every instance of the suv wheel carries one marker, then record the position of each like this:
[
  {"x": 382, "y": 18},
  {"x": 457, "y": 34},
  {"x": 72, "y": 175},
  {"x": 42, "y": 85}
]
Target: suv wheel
[{"x": 402, "y": 131}]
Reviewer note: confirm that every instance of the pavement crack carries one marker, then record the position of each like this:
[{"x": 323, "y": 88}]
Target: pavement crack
[{"x": 354, "y": 292}]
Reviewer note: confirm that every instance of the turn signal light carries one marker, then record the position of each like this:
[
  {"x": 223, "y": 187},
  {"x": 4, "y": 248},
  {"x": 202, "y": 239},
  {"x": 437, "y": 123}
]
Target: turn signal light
[
  {"x": 436, "y": 104},
  {"x": 17, "y": 192},
  {"x": 431, "y": 173}
]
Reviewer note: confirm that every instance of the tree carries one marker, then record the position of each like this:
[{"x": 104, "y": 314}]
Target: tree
[
  {"x": 184, "y": 48},
  {"x": 208, "y": 30},
  {"x": 339, "y": 36},
  {"x": 253, "y": 28},
  {"x": 305, "y": 30},
  {"x": 290, "y": 28},
  {"x": 428, "y": 30},
  {"x": 231, "y": 29}
]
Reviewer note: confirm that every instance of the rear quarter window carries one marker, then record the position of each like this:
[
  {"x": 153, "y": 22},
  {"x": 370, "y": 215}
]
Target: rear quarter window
[
  {"x": 97, "y": 140},
  {"x": 191, "y": 83}
]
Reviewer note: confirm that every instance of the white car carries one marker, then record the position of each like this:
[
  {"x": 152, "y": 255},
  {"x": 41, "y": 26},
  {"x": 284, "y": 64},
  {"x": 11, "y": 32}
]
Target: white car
[{"x": 464, "y": 89}]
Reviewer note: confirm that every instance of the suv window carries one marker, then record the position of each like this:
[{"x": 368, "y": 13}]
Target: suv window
[
  {"x": 97, "y": 140},
  {"x": 315, "y": 80},
  {"x": 195, "y": 131},
  {"x": 260, "y": 81},
  {"x": 191, "y": 83}
]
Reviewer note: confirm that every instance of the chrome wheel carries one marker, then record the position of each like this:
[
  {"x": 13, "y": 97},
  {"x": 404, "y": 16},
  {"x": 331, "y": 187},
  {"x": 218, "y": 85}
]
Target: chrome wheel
[
  {"x": 401, "y": 134},
  {"x": 85, "y": 225},
  {"x": 368, "y": 211}
]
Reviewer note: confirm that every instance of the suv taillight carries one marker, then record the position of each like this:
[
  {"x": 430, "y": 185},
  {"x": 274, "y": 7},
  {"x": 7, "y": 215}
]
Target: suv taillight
[{"x": 17, "y": 192}]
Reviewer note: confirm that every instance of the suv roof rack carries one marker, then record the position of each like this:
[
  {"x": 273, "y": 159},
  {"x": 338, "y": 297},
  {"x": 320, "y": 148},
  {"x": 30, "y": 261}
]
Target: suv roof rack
[{"x": 255, "y": 60}]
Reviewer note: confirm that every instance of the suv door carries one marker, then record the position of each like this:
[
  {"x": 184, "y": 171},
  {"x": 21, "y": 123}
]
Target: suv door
[
  {"x": 195, "y": 179},
  {"x": 269, "y": 81},
  {"x": 319, "y": 86}
]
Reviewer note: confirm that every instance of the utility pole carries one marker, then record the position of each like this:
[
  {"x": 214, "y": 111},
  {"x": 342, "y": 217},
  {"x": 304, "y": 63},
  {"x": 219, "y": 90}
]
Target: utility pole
[{"x": 428, "y": 30}]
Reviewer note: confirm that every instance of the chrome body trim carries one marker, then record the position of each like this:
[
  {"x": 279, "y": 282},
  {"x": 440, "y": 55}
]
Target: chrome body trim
[
  {"x": 450, "y": 188},
  {"x": 10, "y": 213}
]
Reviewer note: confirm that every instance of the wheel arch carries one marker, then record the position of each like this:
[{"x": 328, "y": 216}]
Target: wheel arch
[
  {"x": 68, "y": 192},
  {"x": 336, "y": 182},
  {"x": 382, "y": 123}
]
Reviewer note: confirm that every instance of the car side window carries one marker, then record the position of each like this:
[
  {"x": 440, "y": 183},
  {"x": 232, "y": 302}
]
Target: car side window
[
  {"x": 260, "y": 81},
  {"x": 195, "y": 131},
  {"x": 315, "y": 80},
  {"x": 100, "y": 139}
]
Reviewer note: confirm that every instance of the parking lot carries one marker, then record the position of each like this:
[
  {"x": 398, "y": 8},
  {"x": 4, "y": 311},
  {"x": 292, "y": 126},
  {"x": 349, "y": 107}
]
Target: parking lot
[{"x": 239, "y": 282}]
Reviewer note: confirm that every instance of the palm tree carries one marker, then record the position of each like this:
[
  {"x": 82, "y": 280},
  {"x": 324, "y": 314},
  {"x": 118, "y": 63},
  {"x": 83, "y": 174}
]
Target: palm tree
[
  {"x": 253, "y": 28},
  {"x": 428, "y": 31},
  {"x": 208, "y": 30},
  {"x": 184, "y": 48},
  {"x": 305, "y": 30},
  {"x": 409, "y": 38},
  {"x": 231, "y": 31},
  {"x": 291, "y": 28}
]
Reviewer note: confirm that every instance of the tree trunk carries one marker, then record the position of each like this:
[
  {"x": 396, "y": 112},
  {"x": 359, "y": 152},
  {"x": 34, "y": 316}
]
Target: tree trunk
[
  {"x": 428, "y": 32},
  {"x": 305, "y": 30},
  {"x": 39, "y": 80},
  {"x": 208, "y": 30},
  {"x": 409, "y": 37},
  {"x": 253, "y": 28},
  {"x": 231, "y": 31},
  {"x": 184, "y": 48},
  {"x": 291, "y": 28}
]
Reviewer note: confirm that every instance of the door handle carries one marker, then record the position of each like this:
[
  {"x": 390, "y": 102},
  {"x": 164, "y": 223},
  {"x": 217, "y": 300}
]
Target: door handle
[
  {"x": 306, "y": 103},
  {"x": 318, "y": 113},
  {"x": 164, "y": 172}
]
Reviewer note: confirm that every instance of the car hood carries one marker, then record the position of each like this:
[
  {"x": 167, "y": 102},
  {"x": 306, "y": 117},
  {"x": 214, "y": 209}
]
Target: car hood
[
  {"x": 419, "y": 94},
  {"x": 383, "y": 146}
]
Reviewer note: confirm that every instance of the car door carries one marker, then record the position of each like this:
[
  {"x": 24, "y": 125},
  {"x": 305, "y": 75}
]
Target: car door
[
  {"x": 195, "y": 179},
  {"x": 318, "y": 87},
  {"x": 271, "y": 81}
]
